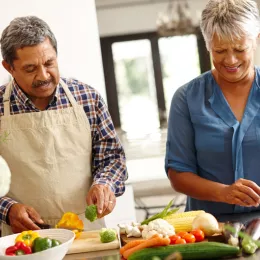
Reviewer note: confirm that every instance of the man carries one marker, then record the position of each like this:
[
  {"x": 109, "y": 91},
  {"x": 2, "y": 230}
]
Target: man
[
  {"x": 5, "y": 175},
  {"x": 61, "y": 138}
]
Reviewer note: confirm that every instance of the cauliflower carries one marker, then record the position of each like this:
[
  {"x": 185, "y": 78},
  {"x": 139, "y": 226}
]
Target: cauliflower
[
  {"x": 158, "y": 226},
  {"x": 91, "y": 213},
  {"x": 107, "y": 235},
  {"x": 130, "y": 230}
]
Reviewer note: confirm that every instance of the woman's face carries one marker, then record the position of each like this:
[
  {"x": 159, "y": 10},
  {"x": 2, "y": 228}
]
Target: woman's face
[{"x": 233, "y": 61}]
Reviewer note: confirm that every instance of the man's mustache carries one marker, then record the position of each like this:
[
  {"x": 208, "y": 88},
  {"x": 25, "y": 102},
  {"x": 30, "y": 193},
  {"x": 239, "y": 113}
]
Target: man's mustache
[{"x": 40, "y": 83}]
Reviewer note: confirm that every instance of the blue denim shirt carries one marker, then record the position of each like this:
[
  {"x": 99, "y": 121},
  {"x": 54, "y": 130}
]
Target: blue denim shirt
[{"x": 205, "y": 138}]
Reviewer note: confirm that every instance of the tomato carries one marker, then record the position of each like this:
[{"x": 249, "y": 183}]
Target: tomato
[
  {"x": 180, "y": 241},
  {"x": 189, "y": 238},
  {"x": 181, "y": 233},
  {"x": 199, "y": 235},
  {"x": 173, "y": 239}
]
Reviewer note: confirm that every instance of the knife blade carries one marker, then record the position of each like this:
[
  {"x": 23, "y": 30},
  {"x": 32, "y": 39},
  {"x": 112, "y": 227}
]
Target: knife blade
[{"x": 47, "y": 226}]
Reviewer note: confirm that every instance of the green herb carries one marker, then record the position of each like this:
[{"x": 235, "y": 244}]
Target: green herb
[
  {"x": 4, "y": 137},
  {"x": 162, "y": 214}
]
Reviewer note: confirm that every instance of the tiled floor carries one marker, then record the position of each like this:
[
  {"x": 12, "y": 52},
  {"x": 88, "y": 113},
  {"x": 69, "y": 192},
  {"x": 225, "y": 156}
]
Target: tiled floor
[{"x": 145, "y": 163}]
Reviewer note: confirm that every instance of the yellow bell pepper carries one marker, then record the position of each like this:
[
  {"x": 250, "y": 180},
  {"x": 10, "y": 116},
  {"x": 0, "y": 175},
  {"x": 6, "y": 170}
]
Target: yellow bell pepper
[
  {"x": 72, "y": 222},
  {"x": 27, "y": 237}
]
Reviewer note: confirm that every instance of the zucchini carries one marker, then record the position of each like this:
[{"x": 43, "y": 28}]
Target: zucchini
[{"x": 200, "y": 250}]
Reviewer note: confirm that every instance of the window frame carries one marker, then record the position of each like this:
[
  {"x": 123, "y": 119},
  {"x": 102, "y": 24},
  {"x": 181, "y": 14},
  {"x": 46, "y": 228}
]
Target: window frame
[{"x": 153, "y": 37}]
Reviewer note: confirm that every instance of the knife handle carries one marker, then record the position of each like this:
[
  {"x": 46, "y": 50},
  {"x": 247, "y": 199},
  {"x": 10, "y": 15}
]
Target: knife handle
[{"x": 43, "y": 226}]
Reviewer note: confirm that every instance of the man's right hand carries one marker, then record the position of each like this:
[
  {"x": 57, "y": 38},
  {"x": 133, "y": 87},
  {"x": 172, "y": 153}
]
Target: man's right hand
[{"x": 22, "y": 217}]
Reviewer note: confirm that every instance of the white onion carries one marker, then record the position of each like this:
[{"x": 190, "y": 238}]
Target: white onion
[
  {"x": 5, "y": 177},
  {"x": 207, "y": 223}
]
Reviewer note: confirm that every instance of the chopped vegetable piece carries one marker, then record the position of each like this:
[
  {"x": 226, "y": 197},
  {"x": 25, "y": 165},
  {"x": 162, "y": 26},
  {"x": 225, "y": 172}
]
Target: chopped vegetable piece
[
  {"x": 72, "y": 222},
  {"x": 107, "y": 235},
  {"x": 91, "y": 213}
]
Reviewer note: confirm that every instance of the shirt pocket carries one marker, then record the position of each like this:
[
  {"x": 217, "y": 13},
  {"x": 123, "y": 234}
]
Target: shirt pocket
[{"x": 211, "y": 134}]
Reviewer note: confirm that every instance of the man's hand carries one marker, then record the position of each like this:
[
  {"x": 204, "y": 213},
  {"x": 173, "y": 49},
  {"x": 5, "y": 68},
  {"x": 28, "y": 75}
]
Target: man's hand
[
  {"x": 243, "y": 192},
  {"x": 103, "y": 197},
  {"x": 21, "y": 217}
]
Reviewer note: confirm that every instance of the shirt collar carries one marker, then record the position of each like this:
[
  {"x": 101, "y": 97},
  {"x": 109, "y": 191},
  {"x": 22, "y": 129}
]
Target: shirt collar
[
  {"x": 19, "y": 94},
  {"x": 23, "y": 98}
]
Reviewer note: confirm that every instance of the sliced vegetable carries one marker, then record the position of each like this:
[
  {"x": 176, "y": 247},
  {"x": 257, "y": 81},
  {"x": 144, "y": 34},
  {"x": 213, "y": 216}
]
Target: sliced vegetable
[
  {"x": 27, "y": 237},
  {"x": 72, "y": 222},
  {"x": 203, "y": 250},
  {"x": 207, "y": 223},
  {"x": 19, "y": 248},
  {"x": 231, "y": 238}
]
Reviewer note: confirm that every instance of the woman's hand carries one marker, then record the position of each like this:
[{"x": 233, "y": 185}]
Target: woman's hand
[
  {"x": 243, "y": 192},
  {"x": 103, "y": 197}
]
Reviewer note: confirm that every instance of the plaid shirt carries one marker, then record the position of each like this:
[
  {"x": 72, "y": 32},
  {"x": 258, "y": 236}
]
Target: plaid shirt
[{"x": 108, "y": 158}]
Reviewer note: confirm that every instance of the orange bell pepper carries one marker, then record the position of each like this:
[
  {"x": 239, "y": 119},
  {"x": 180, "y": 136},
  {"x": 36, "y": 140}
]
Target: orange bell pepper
[{"x": 72, "y": 222}]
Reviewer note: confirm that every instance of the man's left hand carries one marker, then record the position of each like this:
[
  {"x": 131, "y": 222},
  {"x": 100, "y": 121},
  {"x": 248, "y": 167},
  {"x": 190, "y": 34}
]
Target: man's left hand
[{"x": 103, "y": 197}]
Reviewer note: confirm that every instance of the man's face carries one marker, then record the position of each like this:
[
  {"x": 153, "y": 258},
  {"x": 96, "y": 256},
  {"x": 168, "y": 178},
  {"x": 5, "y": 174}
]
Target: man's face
[{"x": 36, "y": 70}]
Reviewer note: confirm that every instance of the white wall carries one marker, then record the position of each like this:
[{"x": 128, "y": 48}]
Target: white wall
[
  {"x": 74, "y": 24},
  {"x": 141, "y": 18},
  {"x": 136, "y": 18}
]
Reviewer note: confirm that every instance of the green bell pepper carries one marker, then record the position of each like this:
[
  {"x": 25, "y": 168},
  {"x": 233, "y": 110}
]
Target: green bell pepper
[{"x": 40, "y": 244}]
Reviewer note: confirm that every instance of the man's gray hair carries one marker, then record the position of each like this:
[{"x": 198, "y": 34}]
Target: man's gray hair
[
  {"x": 22, "y": 32},
  {"x": 230, "y": 19}
]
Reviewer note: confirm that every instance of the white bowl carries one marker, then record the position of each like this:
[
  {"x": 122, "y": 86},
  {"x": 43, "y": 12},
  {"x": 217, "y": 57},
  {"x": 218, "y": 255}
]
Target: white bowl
[{"x": 65, "y": 236}]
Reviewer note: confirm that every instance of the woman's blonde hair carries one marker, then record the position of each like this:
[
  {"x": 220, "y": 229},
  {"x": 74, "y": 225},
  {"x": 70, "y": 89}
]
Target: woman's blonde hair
[{"x": 230, "y": 19}]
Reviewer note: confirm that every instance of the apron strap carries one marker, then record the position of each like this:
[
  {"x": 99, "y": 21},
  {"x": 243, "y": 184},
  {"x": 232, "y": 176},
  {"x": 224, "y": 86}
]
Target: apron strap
[
  {"x": 68, "y": 93},
  {"x": 7, "y": 98}
]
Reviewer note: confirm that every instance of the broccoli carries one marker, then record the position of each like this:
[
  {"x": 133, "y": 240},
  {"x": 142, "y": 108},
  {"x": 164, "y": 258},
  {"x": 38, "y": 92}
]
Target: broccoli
[
  {"x": 91, "y": 213},
  {"x": 107, "y": 235}
]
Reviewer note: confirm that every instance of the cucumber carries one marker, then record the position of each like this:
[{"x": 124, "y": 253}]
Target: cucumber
[{"x": 201, "y": 250}]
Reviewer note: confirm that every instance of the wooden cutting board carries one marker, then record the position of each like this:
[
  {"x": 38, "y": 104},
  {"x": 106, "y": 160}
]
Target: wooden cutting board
[{"x": 89, "y": 241}]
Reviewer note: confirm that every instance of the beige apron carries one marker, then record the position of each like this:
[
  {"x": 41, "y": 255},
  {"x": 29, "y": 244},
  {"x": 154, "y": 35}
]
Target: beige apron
[{"x": 49, "y": 154}]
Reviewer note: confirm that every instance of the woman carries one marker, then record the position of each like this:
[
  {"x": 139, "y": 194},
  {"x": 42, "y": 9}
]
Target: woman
[{"x": 213, "y": 146}]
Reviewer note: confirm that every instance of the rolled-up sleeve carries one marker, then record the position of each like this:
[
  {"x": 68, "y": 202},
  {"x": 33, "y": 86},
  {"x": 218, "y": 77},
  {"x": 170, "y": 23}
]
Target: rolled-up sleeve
[{"x": 180, "y": 148}]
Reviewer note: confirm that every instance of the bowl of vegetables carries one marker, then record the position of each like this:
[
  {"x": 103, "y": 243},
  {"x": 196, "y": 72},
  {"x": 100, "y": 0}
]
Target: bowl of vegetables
[{"x": 42, "y": 244}]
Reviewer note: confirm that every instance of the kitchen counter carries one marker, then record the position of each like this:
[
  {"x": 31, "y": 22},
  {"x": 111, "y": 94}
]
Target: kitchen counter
[
  {"x": 114, "y": 255},
  {"x": 98, "y": 255}
]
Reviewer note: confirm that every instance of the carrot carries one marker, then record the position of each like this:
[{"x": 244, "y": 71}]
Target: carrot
[
  {"x": 155, "y": 241},
  {"x": 130, "y": 244}
]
